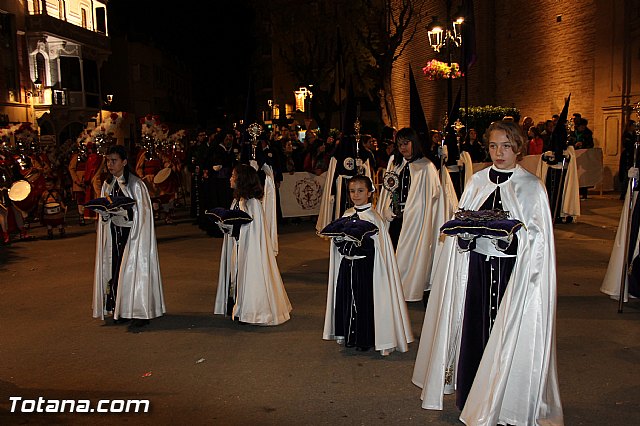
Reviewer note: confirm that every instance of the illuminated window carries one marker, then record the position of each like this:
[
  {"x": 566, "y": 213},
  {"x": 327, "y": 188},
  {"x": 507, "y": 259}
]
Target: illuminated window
[
  {"x": 41, "y": 71},
  {"x": 300, "y": 95},
  {"x": 61, "y": 9},
  {"x": 288, "y": 109},
  {"x": 84, "y": 17},
  {"x": 101, "y": 20}
]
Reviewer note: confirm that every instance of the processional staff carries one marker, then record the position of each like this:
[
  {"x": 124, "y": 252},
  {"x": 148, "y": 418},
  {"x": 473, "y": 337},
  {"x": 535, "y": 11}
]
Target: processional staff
[
  {"x": 357, "y": 126},
  {"x": 254, "y": 131}
]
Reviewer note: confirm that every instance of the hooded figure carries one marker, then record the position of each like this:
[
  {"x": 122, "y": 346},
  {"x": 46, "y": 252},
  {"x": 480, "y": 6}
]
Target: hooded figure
[
  {"x": 348, "y": 159},
  {"x": 616, "y": 269},
  {"x": 559, "y": 171}
]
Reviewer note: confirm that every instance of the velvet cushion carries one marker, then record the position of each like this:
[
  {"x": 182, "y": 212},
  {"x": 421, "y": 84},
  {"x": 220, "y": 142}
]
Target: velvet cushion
[
  {"x": 482, "y": 223},
  {"x": 350, "y": 228},
  {"x": 229, "y": 216},
  {"x": 109, "y": 204}
]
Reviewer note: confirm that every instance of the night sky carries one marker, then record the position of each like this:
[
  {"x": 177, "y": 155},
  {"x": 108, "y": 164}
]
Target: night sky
[{"x": 215, "y": 38}]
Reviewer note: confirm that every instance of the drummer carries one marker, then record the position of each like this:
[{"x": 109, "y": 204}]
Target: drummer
[
  {"x": 11, "y": 218},
  {"x": 52, "y": 209},
  {"x": 168, "y": 189},
  {"x": 85, "y": 170},
  {"x": 92, "y": 177},
  {"x": 77, "y": 166},
  {"x": 147, "y": 166}
]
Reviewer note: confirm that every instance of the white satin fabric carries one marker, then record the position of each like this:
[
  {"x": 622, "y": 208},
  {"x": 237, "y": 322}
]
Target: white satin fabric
[
  {"x": 516, "y": 382},
  {"x": 329, "y": 208},
  {"x": 451, "y": 198},
  {"x": 269, "y": 205},
  {"x": 424, "y": 214},
  {"x": 613, "y": 277},
  {"x": 467, "y": 163},
  {"x": 139, "y": 283},
  {"x": 249, "y": 267},
  {"x": 392, "y": 325},
  {"x": 571, "y": 195}
]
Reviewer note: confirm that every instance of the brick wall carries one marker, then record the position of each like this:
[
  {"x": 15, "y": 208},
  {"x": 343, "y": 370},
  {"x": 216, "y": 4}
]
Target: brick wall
[
  {"x": 531, "y": 55},
  {"x": 525, "y": 59},
  {"x": 539, "y": 60}
]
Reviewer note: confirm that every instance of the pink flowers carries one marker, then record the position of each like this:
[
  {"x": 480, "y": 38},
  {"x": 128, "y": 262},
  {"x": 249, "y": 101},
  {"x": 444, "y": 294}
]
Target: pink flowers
[{"x": 437, "y": 70}]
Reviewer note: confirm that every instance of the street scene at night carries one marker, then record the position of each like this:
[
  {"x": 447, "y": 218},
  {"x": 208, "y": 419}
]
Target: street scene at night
[
  {"x": 198, "y": 368},
  {"x": 351, "y": 212}
]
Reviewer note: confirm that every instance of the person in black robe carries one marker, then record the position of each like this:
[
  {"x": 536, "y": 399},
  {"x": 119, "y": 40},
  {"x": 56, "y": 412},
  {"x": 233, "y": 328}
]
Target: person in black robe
[
  {"x": 195, "y": 156},
  {"x": 217, "y": 167},
  {"x": 626, "y": 156},
  {"x": 558, "y": 163},
  {"x": 350, "y": 161}
]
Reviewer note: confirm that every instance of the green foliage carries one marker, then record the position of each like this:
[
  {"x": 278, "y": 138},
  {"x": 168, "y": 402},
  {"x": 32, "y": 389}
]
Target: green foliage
[{"x": 480, "y": 117}]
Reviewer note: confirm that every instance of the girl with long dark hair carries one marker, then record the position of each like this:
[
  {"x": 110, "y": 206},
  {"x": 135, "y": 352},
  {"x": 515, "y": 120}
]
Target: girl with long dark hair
[{"x": 250, "y": 287}]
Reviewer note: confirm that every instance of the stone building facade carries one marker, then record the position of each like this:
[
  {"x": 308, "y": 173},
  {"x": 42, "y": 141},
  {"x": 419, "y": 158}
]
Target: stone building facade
[{"x": 52, "y": 52}]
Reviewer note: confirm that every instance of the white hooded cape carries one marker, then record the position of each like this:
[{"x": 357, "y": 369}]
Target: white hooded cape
[
  {"x": 424, "y": 213},
  {"x": 516, "y": 382},
  {"x": 467, "y": 164},
  {"x": 392, "y": 326},
  {"x": 613, "y": 277},
  {"x": 249, "y": 265},
  {"x": 269, "y": 203},
  {"x": 139, "y": 283},
  {"x": 571, "y": 194},
  {"x": 451, "y": 198}
]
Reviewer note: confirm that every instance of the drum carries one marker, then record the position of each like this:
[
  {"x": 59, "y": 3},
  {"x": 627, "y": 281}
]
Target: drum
[
  {"x": 152, "y": 167},
  {"x": 53, "y": 214},
  {"x": 166, "y": 181},
  {"x": 23, "y": 196}
]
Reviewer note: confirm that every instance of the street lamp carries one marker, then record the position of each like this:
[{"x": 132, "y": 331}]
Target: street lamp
[
  {"x": 31, "y": 94},
  {"x": 441, "y": 36},
  {"x": 38, "y": 85},
  {"x": 448, "y": 36},
  {"x": 36, "y": 90},
  {"x": 301, "y": 95}
]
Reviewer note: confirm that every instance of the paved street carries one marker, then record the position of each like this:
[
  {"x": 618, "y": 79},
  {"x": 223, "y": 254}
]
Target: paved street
[{"x": 196, "y": 368}]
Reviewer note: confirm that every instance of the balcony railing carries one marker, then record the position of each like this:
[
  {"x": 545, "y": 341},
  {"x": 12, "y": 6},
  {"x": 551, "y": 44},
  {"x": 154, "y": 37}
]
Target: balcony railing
[{"x": 51, "y": 25}]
